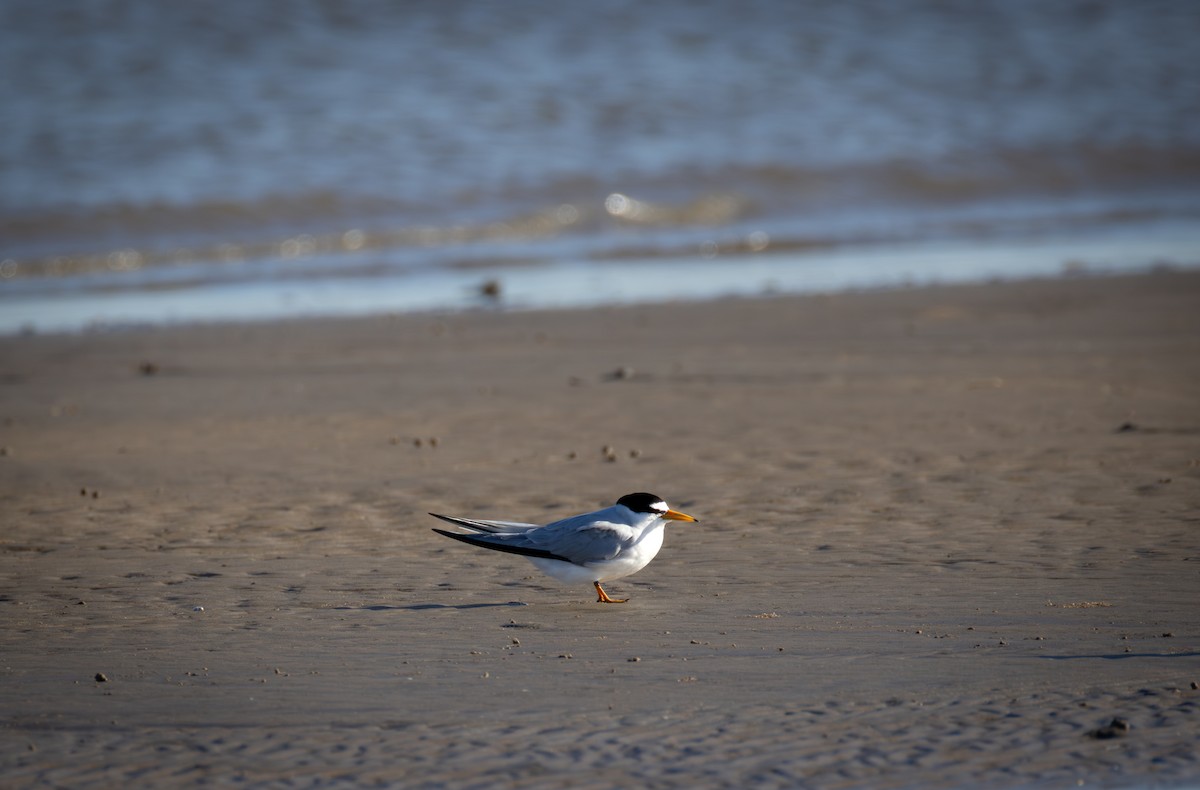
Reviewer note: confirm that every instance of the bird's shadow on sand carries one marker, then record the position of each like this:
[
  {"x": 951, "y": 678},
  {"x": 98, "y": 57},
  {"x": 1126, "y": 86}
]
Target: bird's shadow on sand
[{"x": 419, "y": 607}]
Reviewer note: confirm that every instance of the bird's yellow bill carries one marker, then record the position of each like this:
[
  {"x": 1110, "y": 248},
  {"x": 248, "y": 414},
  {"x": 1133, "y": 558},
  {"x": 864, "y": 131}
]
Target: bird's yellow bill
[{"x": 675, "y": 515}]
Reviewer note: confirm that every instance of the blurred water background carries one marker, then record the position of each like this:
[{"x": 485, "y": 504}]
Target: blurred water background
[{"x": 262, "y": 158}]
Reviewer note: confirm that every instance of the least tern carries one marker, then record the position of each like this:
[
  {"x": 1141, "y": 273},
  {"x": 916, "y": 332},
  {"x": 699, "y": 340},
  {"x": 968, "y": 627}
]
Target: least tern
[{"x": 592, "y": 547}]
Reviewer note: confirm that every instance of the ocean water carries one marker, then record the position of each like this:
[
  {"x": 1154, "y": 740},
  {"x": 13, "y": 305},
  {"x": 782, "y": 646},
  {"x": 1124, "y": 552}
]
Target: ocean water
[{"x": 259, "y": 159}]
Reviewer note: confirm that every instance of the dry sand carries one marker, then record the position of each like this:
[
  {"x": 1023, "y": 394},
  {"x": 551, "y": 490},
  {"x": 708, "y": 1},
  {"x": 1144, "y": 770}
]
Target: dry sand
[{"x": 927, "y": 556}]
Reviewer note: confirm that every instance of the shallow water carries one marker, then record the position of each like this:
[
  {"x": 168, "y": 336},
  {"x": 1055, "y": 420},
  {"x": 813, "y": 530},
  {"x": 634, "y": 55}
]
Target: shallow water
[{"x": 154, "y": 153}]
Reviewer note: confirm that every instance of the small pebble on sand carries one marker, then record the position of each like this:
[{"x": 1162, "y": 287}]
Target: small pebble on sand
[{"x": 1114, "y": 729}]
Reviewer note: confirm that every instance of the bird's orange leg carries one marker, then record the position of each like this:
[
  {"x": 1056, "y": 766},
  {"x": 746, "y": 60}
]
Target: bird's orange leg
[{"x": 602, "y": 597}]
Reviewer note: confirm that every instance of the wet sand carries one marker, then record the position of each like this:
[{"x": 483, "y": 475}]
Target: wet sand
[{"x": 947, "y": 536}]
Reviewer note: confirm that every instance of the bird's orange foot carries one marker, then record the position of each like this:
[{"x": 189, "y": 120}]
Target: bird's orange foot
[{"x": 602, "y": 597}]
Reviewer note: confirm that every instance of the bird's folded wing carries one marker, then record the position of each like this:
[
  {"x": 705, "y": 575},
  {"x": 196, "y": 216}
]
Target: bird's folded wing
[{"x": 582, "y": 544}]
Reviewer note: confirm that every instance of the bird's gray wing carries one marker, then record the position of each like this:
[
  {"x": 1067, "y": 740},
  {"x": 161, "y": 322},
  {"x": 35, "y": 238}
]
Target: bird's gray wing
[
  {"x": 582, "y": 540},
  {"x": 484, "y": 525},
  {"x": 590, "y": 537}
]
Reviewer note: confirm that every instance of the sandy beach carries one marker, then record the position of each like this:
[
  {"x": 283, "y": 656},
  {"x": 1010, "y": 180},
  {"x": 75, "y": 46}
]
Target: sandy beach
[{"x": 947, "y": 536}]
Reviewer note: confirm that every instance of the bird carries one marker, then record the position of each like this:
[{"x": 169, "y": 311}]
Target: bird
[{"x": 596, "y": 547}]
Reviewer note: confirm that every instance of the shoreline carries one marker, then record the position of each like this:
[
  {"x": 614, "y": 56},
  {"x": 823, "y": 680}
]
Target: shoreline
[
  {"x": 947, "y": 535},
  {"x": 534, "y": 284}
]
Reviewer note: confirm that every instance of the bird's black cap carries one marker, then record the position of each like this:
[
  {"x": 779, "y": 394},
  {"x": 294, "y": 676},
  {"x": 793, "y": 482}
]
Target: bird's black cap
[{"x": 642, "y": 502}]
